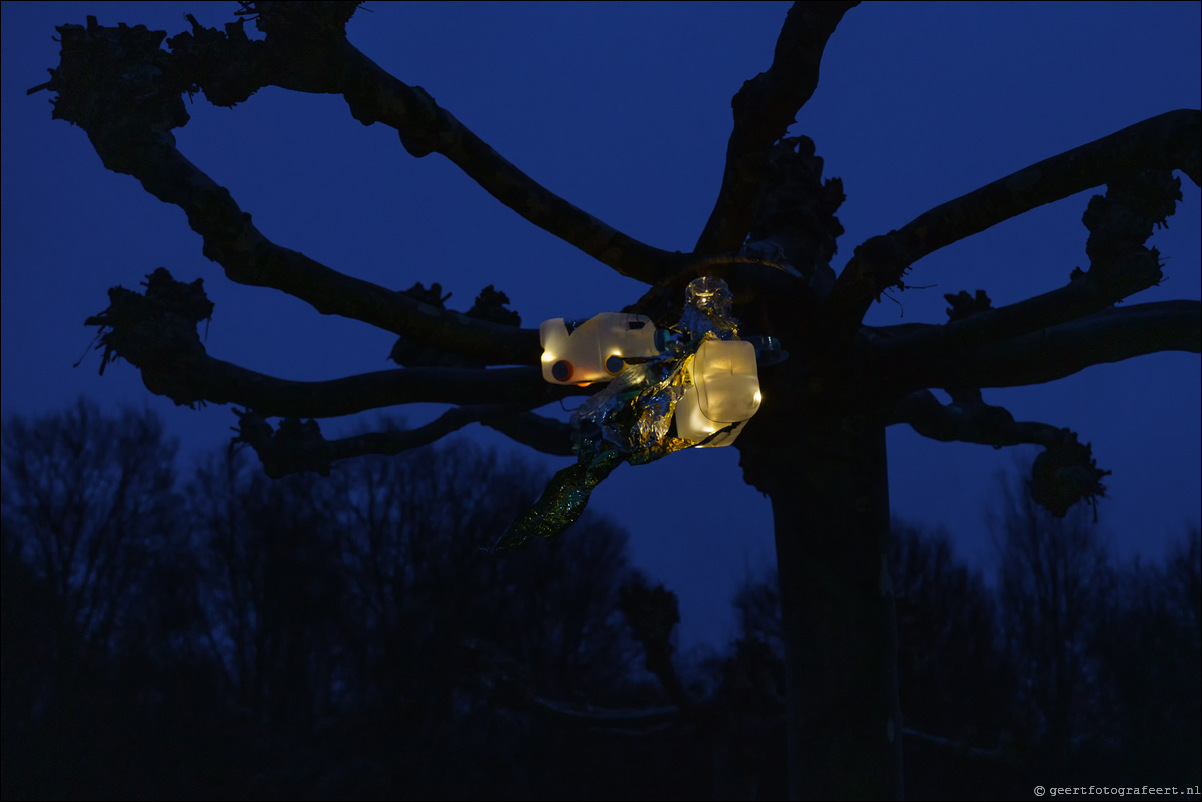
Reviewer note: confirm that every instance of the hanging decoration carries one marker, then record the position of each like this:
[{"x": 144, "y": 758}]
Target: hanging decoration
[{"x": 694, "y": 384}]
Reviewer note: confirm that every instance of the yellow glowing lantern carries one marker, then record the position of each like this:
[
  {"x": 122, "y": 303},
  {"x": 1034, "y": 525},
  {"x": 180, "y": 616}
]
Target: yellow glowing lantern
[
  {"x": 725, "y": 390},
  {"x": 595, "y": 350}
]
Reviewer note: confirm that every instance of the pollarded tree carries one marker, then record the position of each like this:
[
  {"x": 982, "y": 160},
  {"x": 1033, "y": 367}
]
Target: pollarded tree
[{"x": 816, "y": 448}]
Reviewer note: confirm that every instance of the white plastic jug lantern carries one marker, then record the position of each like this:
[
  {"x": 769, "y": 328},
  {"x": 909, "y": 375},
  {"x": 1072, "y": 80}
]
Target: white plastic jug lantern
[
  {"x": 595, "y": 350},
  {"x": 725, "y": 390}
]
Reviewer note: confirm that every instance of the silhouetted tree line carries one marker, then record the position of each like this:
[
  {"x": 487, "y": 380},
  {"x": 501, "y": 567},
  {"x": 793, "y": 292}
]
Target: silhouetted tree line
[
  {"x": 1068, "y": 669},
  {"x": 212, "y": 633}
]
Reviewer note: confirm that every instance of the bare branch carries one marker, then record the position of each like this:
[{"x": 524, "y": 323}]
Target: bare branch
[
  {"x": 1120, "y": 265},
  {"x": 156, "y": 333},
  {"x": 249, "y": 258},
  {"x": 331, "y": 65},
  {"x": 905, "y": 343},
  {"x": 425, "y": 127},
  {"x": 763, "y": 111},
  {"x": 968, "y": 419},
  {"x": 1063, "y": 474},
  {"x": 215, "y": 381},
  {"x": 1169, "y": 141},
  {"x": 299, "y": 446},
  {"x": 224, "y": 382},
  {"x": 1166, "y": 142},
  {"x": 129, "y": 123},
  {"x": 1111, "y": 335},
  {"x": 539, "y": 432}
]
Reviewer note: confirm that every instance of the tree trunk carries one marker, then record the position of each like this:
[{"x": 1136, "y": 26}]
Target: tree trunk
[{"x": 830, "y": 501}]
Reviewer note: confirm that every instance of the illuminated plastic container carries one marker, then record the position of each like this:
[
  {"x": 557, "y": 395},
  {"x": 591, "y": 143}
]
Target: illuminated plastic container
[
  {"x": 725, "y": 390},
  {"x": 595, "y": 350}
]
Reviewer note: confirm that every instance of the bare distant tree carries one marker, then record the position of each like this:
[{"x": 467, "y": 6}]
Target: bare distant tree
[
  {"x": 90, "y": 539},
  {"x": 378, "y": 580},
  {"x": 90, "y": 500},
  {"x": 1149, "y": 646},
  {"x": 1053, "y": 581}
]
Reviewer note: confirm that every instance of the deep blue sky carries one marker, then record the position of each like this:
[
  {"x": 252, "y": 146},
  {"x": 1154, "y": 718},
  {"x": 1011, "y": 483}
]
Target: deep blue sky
[{"x": 624, "y": 109}]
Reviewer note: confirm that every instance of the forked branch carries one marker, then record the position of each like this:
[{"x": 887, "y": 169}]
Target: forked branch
[
  {"x": 1050, "y": 354},
  {"x": 1167, "y": 142},
  {"x": 129, "y": 123},
  {"x": 968, "y": 419},
  {"x": 1063, "y": 474},
  {"x": 1120, "y": 265},
  {"x": 297, "y": 446},
  {"x": 156, "y": 332},
  {"x": 303, "y": 56},
  {"x": 937, "y": 356},
  {"x": 763, "y": 111}
]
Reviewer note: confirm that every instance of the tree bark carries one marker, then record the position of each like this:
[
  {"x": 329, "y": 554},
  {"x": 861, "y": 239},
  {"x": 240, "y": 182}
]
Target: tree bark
[{"x": 830, "y": 502}]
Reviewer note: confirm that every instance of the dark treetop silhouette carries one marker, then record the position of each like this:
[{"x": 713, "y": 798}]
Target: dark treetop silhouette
[{"x": 816, "y": 447}]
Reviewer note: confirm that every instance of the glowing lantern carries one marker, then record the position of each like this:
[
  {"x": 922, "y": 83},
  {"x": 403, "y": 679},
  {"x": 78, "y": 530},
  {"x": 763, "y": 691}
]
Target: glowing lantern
[
  {"x": 595, "y": 350},
  {"x": 725, "y": 390},
  {"x": 695, "y": 374}
]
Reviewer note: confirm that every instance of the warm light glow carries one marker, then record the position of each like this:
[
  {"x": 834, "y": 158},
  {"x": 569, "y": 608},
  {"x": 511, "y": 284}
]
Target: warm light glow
[
  {"x": 583, "y": 354},
  {"x": 725, "y": 390}
]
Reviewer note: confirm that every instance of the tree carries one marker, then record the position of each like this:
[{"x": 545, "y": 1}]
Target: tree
[
  {"x": 948, "y": 649},
  {"x": 1053, "y": 577},
  {"x": 361, "y": 617},
  {"x": 90, "y": 499},
  {"x": 1149, "y": 648},
  {"x": 275, "y": 593},
  {"x": 831, "y": 401},
  {"x": 95, "y": 571},
  {"x": 1105, "y": 652}
]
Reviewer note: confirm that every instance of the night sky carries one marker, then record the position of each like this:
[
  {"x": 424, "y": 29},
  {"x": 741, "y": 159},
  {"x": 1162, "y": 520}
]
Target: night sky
[{"x": 624, "y": 110}]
